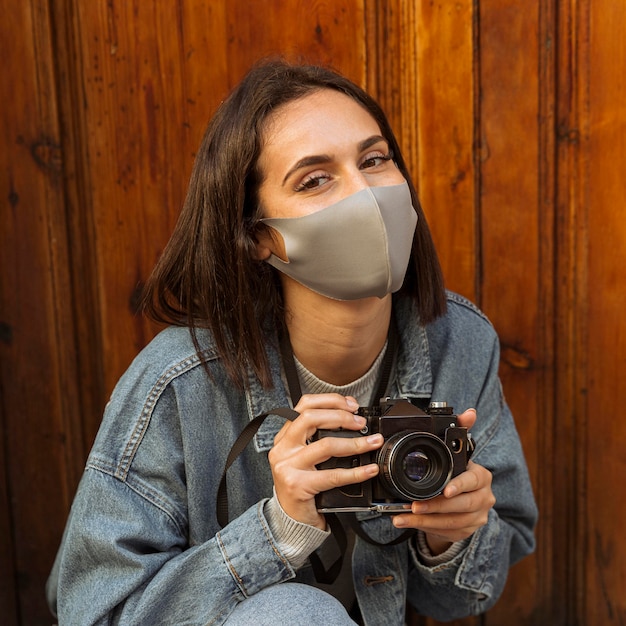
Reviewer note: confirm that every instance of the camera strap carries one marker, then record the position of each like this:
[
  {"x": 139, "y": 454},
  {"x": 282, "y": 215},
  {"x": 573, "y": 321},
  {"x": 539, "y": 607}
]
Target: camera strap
[
  {"x": 322, "y": 574},
  {"x": 295, "y": 392},
  {"x": 242, "y": 441}
]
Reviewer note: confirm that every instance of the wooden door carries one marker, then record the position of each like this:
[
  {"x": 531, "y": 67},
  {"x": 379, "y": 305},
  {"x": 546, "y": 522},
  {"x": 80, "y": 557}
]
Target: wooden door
[{"x": 513, "y": 118}]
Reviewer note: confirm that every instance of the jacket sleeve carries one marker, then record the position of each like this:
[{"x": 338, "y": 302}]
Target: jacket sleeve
[
  {"x": 142, "y": 544},
  {"x": 472, "y": 582},
  {"x": 124, "y": 560}
]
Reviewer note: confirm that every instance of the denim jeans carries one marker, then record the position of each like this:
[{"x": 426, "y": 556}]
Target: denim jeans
[{"x": 289, "y": 604}]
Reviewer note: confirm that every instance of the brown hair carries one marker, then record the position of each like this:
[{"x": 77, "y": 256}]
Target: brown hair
[{"x": 208, "y": 275}]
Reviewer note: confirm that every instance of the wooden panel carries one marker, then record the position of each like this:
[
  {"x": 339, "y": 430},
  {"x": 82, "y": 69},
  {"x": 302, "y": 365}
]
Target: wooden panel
[
  {"x": 514, "y": 125},
  {"x": 152, "y": 78},
  {"x": 602, "y": 504},
  {"x": 445, "y": 137},
  {"x": 37, "y": 370},
  {"x": 8, "y": 594},
  {"x": 421, "y": 69},
  {"x": 331, "y": 33},
  {"x": 570, "y": 267},
  {"x": 512, "y": 292},
  {"x": 141, "y": 130}
]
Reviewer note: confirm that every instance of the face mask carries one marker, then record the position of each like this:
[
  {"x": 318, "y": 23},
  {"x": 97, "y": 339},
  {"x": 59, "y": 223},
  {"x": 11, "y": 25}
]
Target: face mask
[{"x": 356, "y": 248}]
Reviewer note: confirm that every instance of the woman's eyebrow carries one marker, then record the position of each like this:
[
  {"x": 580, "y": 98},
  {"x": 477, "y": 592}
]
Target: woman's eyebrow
[
  {"x": 370, "y": 141},
  {"x": 320, "y": 159}
]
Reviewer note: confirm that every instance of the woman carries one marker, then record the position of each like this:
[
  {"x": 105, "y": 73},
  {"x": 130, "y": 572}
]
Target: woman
[{"x": 301, "y": 223}]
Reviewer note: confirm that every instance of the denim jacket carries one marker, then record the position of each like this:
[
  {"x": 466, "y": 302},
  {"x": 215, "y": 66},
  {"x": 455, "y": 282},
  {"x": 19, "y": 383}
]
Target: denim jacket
[{"x": 142, "y": 544}]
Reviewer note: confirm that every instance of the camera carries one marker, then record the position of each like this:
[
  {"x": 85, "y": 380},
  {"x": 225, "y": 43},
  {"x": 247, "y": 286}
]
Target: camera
[{"x": 422, "y": 452}]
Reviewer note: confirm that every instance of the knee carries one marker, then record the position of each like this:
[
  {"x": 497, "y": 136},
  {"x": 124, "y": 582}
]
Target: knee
[{"x": 290, "y": 603}]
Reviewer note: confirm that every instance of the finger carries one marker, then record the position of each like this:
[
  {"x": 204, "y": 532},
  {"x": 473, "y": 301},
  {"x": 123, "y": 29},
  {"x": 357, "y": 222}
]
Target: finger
[
  {"x": 467, "y": 419},
  {"x": 473, "y": 478},
  {"x": 472, "y": 502},
  {"x": 463, "y": 514},
  {"x": 321, "y": 411},
  {"x": 297, "y": 491},
  {"x": 326, "y": 401},
  {"x": 452, "y": 527},
  {"x": 323, "y": 449},
  {"x": 308, "y": 423},
  {"x": 306, "y": 482},
  {"x": 310, "y": 457},
  {"x": 437, "y": 523}
]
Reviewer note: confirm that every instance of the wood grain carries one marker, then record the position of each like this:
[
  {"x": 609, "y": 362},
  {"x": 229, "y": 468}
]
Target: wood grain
[
  {"x": 514, "y": 126},
  {"x": 602, "y": 339},
  {"x": 511, "y": 252},
  {"x": 38, "y": 376}
]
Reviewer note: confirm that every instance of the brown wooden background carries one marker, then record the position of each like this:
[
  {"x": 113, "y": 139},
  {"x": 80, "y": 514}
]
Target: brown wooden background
[{"x": 512, "y": 114}]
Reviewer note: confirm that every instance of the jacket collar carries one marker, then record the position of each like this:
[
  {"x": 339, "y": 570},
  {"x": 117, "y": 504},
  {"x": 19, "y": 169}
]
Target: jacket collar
[{"x": 413, "y": 372}]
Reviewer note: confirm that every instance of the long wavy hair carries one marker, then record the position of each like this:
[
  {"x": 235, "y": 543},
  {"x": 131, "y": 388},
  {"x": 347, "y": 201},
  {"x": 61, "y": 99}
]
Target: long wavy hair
[{"x": 208, "y": 276}]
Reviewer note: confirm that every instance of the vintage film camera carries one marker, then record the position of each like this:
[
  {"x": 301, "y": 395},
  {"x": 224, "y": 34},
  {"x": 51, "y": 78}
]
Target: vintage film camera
[{"x": 421, "y": 453}]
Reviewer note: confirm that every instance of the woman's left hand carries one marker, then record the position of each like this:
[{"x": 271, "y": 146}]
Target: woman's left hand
[{"x": 461, "y": 509}]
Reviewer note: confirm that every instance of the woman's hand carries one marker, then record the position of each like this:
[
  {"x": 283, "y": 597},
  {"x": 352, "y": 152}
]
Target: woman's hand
[
  {"x": 461, "y": 509},
  {"x": 293, "y": 461}
]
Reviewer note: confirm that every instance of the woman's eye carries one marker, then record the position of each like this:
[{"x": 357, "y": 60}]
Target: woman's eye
[
  {"x": 312, "y": 182},
  {"x": 375, "y": 160}
]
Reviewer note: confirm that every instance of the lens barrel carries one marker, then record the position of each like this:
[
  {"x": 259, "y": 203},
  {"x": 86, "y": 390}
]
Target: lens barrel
[{"x": 415, "y": 465}]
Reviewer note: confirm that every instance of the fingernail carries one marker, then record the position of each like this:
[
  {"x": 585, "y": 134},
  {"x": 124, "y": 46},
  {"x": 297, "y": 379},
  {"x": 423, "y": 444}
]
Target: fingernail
[
  {"x": 375, "y": 438},
  {"x": 353, "y": 404},
  {"x": 360, "y": 420},
  {"x": 419, "y": 507},
  {"x": 399, "y": 522},
  {"x": 451, "y": 490}
]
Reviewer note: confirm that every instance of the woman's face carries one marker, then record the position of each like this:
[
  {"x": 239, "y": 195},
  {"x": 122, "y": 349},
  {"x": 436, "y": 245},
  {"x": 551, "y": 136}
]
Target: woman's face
[{"x": 319, "y": 149}]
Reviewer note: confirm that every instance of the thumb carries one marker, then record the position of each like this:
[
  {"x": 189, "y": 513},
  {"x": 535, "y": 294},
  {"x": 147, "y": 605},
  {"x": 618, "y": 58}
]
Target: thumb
[{"x": 467, "y": 418}]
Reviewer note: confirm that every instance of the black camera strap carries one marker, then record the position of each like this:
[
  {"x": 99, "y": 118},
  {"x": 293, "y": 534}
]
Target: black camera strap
[
  {"x": 322, "y": 574},
  {"x": 242, "y": 441},
  {"x": 295, "y": 392}
]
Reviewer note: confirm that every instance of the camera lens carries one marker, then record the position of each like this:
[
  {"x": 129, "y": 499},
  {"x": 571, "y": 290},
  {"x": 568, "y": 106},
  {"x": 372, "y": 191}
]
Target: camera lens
[{"x": 415, "y": 465}]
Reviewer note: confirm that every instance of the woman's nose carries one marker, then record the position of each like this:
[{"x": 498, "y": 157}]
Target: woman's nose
[{"x": 356, "y": 181}]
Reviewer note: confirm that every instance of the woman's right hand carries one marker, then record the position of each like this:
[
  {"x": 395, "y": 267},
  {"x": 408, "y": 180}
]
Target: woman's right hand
[{"x": 293, "y": 460}]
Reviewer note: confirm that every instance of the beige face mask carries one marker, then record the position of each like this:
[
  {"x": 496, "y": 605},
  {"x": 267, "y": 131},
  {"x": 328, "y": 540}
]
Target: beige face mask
[{"x": 356, "y": 248}]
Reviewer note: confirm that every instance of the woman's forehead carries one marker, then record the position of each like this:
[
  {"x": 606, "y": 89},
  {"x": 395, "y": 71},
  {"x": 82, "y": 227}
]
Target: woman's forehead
[
  {"x": 318, "y": 104},
  {"x": 319, "y": 122}
]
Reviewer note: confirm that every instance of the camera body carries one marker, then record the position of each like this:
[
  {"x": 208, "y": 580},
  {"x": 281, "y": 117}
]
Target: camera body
[{"x": 423, "y": 451}]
